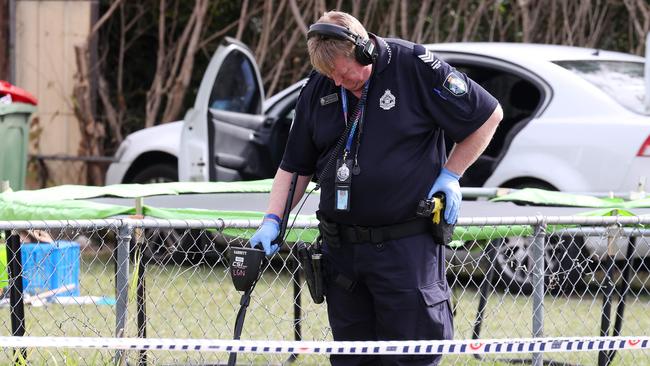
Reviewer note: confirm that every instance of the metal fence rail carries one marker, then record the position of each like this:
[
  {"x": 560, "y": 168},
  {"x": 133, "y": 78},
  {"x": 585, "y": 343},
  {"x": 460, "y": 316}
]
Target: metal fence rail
[{"x": 512, "y": 277}]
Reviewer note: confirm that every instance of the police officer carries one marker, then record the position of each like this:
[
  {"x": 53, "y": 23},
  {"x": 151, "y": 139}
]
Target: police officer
[{"x": 370, "y": 125}]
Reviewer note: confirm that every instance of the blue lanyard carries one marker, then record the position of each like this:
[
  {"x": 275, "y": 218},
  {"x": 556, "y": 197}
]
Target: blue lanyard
[{"x": 358, "y": 115}]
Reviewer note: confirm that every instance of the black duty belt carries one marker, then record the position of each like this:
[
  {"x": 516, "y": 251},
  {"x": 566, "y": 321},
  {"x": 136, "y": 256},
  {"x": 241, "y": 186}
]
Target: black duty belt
[{"x": 353, "y": 234}]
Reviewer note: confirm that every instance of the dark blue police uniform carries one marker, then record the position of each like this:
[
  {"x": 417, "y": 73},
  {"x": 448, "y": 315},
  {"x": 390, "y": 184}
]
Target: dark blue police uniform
[{"x": 380, "y": 288}]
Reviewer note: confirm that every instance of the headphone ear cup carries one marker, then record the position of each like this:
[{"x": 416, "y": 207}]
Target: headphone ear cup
[{"x": 363, "y": 52}]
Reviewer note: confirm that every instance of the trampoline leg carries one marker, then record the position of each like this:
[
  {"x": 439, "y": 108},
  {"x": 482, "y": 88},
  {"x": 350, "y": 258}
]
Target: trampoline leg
[
  {"x": 624, "y": 288},
  {"x": 607, "y": 308},
  {"x": 486, "y": 285}
]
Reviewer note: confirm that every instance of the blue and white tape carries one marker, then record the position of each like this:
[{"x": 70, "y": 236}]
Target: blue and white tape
[{"x": 482, "y": 346}]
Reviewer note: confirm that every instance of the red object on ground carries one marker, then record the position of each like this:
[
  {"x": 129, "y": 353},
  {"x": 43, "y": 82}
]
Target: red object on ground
[{"x": 17, "y": 94}]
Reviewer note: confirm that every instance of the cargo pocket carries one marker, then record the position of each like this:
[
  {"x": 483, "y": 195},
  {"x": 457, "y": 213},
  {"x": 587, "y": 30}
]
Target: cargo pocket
[
  {"x": 438, "y": 322},
  {"x": 435, "y": 292}
]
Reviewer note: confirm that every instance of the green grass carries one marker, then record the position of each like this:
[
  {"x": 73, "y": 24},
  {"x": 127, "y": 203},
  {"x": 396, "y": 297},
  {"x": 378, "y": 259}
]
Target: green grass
[{"x": 200, "y": 302}]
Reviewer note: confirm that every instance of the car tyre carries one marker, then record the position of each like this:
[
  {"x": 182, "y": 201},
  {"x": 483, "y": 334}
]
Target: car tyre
[
  {"x": 157, "y": 173},
  {"x": 563, "y": 264},
  {"x": 173, "y": 246}
]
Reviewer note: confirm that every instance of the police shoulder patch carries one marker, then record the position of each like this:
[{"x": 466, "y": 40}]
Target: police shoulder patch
[
  {"x": 455, "y": 84},
  {"x": 427, "y": 57}
]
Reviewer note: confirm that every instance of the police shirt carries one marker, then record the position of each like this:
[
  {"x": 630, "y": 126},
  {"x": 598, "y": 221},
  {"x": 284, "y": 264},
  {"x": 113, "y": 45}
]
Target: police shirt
[{"x": 414, "y": 98}]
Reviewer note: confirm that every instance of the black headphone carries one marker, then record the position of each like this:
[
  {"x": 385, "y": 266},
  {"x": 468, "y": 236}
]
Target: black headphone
[{"x": 364, "y": 50}]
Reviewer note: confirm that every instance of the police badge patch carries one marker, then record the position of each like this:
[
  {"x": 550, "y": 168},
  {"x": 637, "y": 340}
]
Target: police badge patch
[
  {"x": 455, "y": 84},
  {"x": 387, "y": 101}
]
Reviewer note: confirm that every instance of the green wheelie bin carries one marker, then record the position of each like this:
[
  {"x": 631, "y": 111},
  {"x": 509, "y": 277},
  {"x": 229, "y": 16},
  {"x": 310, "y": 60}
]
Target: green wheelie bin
[{"x": 16, "y": 106}]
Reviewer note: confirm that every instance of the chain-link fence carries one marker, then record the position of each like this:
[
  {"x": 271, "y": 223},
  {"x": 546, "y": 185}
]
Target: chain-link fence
[{"x": 514, "y": 277}]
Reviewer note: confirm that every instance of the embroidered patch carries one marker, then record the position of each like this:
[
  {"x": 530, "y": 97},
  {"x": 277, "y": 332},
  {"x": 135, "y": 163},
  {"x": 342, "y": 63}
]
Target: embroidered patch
[
  {"x": 387, "y": 101},
  {"x": 428, "y": 58},
  {"x": 329, "y": 99},
  {"x": 455, "y": 84}
]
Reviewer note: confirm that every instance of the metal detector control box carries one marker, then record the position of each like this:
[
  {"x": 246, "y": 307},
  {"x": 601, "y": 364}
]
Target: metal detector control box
[{"x": 245, "y": 267}]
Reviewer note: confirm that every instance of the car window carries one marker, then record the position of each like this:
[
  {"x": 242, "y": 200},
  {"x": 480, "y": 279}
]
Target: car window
[
  {"x": 518, "y": 97},
  {"x": 235, "y": 88},
  {"x": 621, "y": 80}
]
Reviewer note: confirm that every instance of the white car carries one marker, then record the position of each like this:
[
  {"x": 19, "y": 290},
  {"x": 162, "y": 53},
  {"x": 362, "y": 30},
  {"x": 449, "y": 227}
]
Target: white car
[{"x": 574, "y": 120}]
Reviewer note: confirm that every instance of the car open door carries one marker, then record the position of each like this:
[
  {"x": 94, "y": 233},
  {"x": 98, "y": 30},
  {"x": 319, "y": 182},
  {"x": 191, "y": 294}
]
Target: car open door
[{"x": 220, "y": 133}]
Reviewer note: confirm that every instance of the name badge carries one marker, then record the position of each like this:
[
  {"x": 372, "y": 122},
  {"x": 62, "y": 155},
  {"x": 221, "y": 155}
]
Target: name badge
[{"x": 329, "y": 99}]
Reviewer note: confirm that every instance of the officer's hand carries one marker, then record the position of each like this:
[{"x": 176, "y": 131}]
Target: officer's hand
[
  {"x": 447, "y": 183},
  {"x": 265, "y": 234}
]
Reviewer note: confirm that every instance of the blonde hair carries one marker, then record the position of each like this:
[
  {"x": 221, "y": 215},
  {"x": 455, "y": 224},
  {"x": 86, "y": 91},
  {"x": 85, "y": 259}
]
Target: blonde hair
[{"x": 323, "y": 50}]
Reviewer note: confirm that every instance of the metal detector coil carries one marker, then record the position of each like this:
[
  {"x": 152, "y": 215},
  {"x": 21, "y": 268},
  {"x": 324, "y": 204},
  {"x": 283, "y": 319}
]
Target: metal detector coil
[{"x": 245, "y": 267}]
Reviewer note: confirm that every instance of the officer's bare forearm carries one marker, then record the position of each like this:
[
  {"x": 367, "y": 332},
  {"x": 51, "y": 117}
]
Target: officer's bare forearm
[
  {"x": 467, "y": 151},
  {"x": 280, "y": 190}
]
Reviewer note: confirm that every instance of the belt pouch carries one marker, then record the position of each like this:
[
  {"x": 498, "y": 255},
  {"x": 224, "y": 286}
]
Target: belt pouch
[
  {"x": 310, "y": 261},
  {"x": 442, "y": 232},
  {"x": 330, "y": 232}
]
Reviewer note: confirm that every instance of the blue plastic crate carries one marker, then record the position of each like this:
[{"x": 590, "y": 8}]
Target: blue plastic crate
[{"x": 49, "y": 266}]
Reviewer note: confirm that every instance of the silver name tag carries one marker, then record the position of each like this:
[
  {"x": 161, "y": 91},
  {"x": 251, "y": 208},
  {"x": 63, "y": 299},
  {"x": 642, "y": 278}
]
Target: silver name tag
[{"x": 329, "y": 99}]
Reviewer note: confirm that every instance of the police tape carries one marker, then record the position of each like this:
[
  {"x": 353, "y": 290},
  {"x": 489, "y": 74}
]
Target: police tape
[{"x": 485, "y": 346}]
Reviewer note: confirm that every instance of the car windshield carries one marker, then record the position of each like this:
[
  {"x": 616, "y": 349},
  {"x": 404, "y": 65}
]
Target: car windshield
[{"x": 621, "y": 80}]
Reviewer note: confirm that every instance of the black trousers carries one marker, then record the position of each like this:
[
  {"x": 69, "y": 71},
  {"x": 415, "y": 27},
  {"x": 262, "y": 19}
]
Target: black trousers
[{"x": 394, "y": 290}]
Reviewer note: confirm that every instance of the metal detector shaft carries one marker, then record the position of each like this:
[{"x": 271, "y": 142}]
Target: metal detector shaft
[
  {"x": 287, "y": 209},
  {"x": 239, "y": 323},
  {"x": 245, "y": 299}
]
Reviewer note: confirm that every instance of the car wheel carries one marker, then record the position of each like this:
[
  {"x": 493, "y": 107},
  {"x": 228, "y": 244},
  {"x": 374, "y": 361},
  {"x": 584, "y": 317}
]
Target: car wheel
[
  {"x": 563, "y": 264},
  {"x": 157, "y": 173},
  {"x": 532, "y": 183},
  {"x": 173, "y": 246}
]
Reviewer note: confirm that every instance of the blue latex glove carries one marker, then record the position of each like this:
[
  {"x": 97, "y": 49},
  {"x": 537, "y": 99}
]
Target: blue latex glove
[
  {"x": 265, "y": 234},
  {"x": 447, "y": 183}
]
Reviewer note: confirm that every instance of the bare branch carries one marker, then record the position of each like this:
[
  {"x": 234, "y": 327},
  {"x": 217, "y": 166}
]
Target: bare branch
[
  {"x": 393, "y": 19},
  {"x": 472, "y": 23},
  {"x": 267, "y": 19},
  {"x": 356, "y": 5},
  {"x": 112, "y": 115},
  {"x": 243, "y": 19},
  {"x": 280, "y": 63},
  {"x": 419, "y": 23},
  {"x": 155, "y": 92},
  {"x": 297, "y": 17},
  {"x": 404, "y": 9},
  {"x": 183, "y": 76},
  {"x": 107, "y": 15}
]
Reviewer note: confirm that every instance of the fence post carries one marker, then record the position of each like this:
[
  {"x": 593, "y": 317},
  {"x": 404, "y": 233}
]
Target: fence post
[
  {"x": 537, "y": 253},
  {"x": 16, "y": 294},
  {"x": 122, "y": 284}
]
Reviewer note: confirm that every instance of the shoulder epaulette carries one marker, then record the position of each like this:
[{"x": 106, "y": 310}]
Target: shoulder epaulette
[{"x": 426, "y": 56}]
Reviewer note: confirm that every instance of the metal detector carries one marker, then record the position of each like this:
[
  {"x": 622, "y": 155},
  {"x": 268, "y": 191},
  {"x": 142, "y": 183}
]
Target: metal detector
[{"x": 246, "y": 265}]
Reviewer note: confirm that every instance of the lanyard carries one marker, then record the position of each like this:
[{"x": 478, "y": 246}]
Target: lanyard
[{"x": 357, "y": 117}]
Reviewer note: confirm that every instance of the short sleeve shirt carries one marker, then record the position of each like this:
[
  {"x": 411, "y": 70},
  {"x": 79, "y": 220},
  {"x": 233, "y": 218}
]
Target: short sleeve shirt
[{"x": 414, "y": 99}]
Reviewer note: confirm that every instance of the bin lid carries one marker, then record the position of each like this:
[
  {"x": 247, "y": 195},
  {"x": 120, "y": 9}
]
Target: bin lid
[
  {"x": 16, "y": 108},
  {"x": 17, "y": 94}
]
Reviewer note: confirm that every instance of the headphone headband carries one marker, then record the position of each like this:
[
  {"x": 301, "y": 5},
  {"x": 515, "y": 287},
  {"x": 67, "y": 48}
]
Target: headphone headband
[
  {"x": 364, "y": 50},
  {"x": 332, "y": 31}
]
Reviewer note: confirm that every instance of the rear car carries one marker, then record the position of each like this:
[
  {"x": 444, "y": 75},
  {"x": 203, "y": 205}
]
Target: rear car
[{"x": 574, "y": 120}]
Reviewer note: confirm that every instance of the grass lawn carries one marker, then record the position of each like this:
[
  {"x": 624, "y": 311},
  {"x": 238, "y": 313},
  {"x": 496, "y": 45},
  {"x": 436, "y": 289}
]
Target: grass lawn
[{"x": 200, "y": 302}]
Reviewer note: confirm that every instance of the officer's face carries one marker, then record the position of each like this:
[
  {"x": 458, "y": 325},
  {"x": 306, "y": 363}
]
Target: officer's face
[{"x": 350, "y": 74}]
